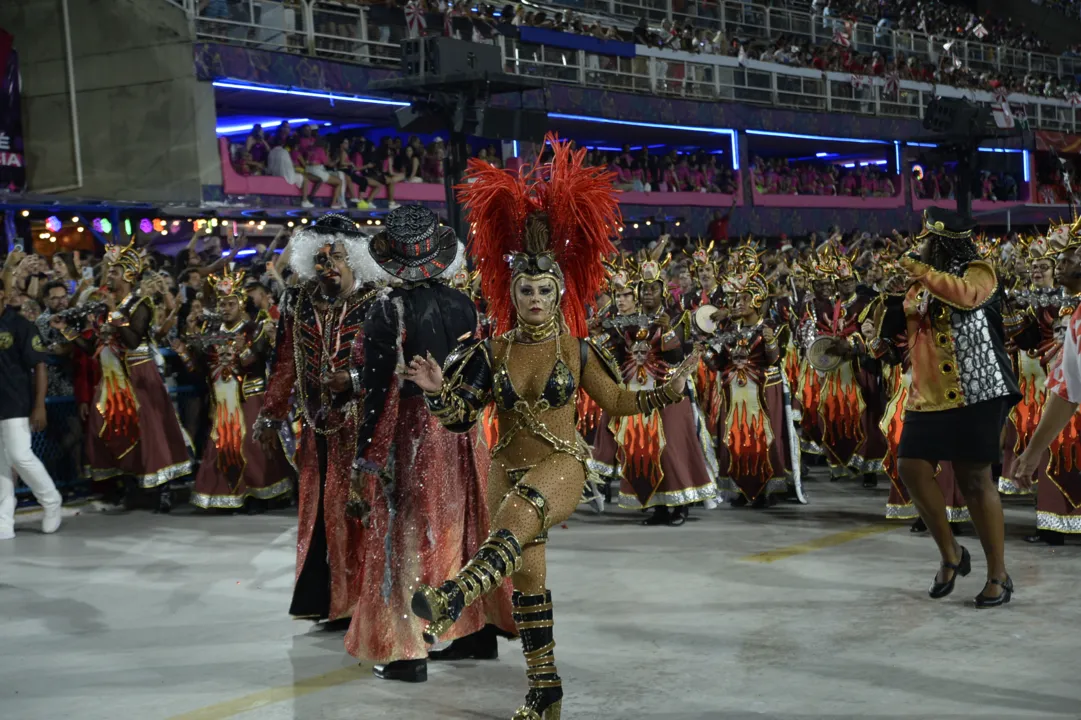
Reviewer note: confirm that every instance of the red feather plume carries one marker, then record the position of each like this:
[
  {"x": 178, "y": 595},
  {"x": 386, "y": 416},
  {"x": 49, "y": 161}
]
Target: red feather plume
[{"x": 583, "y": 217}]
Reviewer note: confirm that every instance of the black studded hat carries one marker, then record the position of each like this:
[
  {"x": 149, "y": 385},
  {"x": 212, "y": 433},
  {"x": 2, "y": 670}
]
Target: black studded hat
[
  {"x": 946, "y": 223},
  {"x": 414, "y": 247}
]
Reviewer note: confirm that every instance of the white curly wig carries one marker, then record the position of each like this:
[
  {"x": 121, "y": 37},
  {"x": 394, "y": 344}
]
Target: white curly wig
[{"x": 307, "y": 241}]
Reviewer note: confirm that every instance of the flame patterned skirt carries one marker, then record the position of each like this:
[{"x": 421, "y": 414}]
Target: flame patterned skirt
[
  {"x": 133, "y": 429},
  {"x": 1025, "y": 416},
  {"x": 662, "y": 459},
  {"x": 235, "y": 466},
  {"x": 1058, "y": 499},
  {"x": 753, "y": 444}
]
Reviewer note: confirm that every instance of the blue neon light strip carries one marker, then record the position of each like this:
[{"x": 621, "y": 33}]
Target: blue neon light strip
[
  {"x": 771, "y": 133},
  {"x": 897, "y": 155},
  {"x": 333, "y": 97},
  {"x": 1025, "y": 163},
  {"x": 232, "y": 129},
  {"x": 659, "y": 126}
]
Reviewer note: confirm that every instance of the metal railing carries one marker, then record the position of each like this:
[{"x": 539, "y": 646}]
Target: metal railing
[{"x": 345, "y": 32}]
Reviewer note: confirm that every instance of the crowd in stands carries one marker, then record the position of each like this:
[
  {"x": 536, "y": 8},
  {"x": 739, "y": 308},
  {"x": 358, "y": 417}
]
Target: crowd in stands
[
  {"x": 779, "y": 177},
  {"x": 941, "y": 184},
  {"x": 358, "y": 168},
  {"x": 354, "y": 166}
]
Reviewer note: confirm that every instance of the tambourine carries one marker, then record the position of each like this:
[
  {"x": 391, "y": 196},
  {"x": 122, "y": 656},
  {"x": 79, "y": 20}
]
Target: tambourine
[
  {"x": 703, "y": 321},
  {"x": 822, "y": 355}
]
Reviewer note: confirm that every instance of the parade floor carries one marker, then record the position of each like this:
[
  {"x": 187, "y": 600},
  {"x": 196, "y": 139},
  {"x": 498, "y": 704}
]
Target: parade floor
[{"x": 800, "y": 613}]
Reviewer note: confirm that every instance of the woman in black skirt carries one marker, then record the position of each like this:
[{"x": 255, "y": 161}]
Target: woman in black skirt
[{"x": 962, "y": 389}]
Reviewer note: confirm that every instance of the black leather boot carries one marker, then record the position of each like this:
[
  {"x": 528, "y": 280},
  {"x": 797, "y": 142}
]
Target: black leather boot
[
  {"x": 533, "y": 616},
  {"x": 498, "y": 558}
]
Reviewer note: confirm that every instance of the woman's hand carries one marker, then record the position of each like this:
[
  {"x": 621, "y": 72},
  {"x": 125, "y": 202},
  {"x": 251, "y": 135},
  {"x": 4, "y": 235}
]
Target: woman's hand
[
  {"x": 868, "y": 328},
  {"x": 1025, "y": 470},
  {"x": 424, "y": 372}
]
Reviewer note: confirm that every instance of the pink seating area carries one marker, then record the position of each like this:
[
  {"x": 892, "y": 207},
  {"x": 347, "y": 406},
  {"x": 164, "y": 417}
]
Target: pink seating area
[{"x": 234, "y": 183}]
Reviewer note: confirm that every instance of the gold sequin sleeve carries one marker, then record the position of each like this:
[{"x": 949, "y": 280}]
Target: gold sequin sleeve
[
  {"x": 467, "y": 387},
  {"x": 967, "y": 292},
  {"x": 600, "y": 379}
]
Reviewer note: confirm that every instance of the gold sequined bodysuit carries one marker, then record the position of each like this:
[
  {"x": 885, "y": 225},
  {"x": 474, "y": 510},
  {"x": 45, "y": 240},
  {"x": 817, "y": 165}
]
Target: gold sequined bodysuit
[{"x": 533, "y": 386}]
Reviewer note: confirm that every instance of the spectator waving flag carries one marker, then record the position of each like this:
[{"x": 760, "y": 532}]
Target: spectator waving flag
[
  {"x": 414, "y": 18},
  {"x": 980, "y": 31},
  {"x": 742, "y": 56},
  {"x": 893, "y": 84},
  {"x": 1074, "y": 98},
  {"x": 842, "y": 36}
]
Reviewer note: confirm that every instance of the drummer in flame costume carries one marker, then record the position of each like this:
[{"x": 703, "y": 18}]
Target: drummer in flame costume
[
  {"x": 1038, "y": 329},
  {"x": 1031, "y": 315},
  {"x": 661, "y": 454},
  {"x": 235, "y": 469},
  {"x": 593, "y": 423},
  {"x": 133, "y": 429},
  {"x": 756, "y": 434},
  {"x": 538, "y": 240},
  {"x": 847, "y": 404}
]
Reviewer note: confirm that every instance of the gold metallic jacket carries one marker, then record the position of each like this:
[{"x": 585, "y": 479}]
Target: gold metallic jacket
[{"x": 956, "y": 343}]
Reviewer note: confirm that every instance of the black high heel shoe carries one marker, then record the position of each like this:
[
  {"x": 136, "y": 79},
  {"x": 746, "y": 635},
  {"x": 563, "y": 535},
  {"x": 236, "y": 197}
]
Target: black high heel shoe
[
  {"x": 983, "y": 602},
  {"x": 964, "y": 567}
]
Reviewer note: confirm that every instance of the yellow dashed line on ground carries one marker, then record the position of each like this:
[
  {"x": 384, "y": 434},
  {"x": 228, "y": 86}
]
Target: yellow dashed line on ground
[
  {"x": 231, "y": 708},
  {"x": 826, "y": 541}
]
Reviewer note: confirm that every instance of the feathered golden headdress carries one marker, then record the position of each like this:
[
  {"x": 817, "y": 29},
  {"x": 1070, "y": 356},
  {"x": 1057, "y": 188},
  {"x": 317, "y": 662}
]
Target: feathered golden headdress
[
  {"x": 127, "y": 258},
  {"x": 228, "y": 285}
]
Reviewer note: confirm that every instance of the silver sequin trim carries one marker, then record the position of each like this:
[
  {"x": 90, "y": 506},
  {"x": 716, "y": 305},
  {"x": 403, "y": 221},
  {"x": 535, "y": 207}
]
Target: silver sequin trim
[
  {"x": 977, "y": 364},
  {"x": 1058, "y": 523},
  {"x": 603, "y": 470},
  {"x": 1007, "y": 487},
  {"x": 908, "y": 512},
  {"x": 670, "y": 499},
  {"x": 233, "y": 502},
  {"x": 152, "y": 480}
]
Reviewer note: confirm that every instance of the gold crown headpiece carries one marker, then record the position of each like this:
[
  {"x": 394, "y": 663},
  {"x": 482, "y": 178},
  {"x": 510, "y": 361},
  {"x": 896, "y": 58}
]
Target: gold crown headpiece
[
  {"x": 228, "y": 285},
  {"x": 128, "y": 258}
]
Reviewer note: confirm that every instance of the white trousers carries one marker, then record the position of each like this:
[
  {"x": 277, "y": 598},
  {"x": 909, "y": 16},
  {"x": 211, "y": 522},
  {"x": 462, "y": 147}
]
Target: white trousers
[{"x": 15, "y": 453}]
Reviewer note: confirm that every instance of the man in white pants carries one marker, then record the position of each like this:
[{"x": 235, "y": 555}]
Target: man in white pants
[{"x": 22, "y": 407}]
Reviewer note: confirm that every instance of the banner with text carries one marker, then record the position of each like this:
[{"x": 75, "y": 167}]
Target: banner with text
[{"x": 12, "y": 158}]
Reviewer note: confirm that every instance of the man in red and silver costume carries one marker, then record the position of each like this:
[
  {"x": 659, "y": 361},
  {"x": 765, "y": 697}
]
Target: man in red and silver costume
[
  {"x": 420, "y": 488},
  {"x": 316, "y": 369}
]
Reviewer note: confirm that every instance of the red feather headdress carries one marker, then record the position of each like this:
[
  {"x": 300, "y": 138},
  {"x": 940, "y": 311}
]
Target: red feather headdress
[{"x": 583, "y": 216}]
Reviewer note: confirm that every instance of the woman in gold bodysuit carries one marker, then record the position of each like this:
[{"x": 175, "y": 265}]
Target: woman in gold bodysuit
[{"x": 536, "y": 288}]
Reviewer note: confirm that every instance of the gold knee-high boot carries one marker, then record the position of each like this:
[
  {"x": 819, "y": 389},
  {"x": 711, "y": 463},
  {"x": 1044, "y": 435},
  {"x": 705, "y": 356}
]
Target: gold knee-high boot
[
  {"x": 533, "y": 617},
  {"x": 498, "y": 558}
]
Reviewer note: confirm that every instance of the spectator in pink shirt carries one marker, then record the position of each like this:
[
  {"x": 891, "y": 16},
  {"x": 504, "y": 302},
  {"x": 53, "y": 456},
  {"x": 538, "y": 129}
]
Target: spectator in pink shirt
[
  {"x": 624, "y": 181},
  {"x": 683, "y": 175},
  {"x": 315, "y": 167},
  {"x": 848, "y": 185},
  {"x": 669, "y": 177},
  {"x": 305, "y": 138}
]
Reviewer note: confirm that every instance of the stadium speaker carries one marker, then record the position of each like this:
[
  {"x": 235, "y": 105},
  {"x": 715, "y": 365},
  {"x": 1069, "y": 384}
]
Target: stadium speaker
[
  {"x": 957, "y": 116},
  {"x": 441, "y": 56},
  {"x": 510, "y": 124}
]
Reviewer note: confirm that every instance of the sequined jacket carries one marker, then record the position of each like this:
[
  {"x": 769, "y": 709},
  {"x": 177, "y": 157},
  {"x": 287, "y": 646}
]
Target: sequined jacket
[
  {"x": 956, "y": 342},
  {"x": 314, "y": 340}
]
